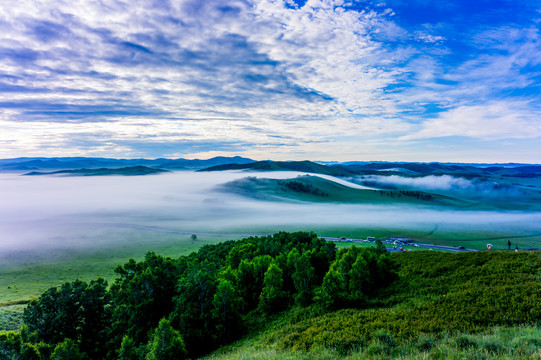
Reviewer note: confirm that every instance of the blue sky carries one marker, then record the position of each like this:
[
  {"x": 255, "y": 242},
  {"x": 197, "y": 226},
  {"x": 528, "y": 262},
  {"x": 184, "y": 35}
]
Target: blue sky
[{"x": 396, "y": 80}]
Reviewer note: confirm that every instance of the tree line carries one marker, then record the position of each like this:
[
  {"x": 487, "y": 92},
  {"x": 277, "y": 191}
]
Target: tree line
[{"x": 164, "y": 308}]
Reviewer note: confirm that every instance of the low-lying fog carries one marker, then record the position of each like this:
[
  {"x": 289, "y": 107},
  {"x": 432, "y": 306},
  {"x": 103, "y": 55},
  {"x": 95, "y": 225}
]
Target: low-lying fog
[
  {"x": 47, "y": 212},
  {"x": 444, "y": 184}
]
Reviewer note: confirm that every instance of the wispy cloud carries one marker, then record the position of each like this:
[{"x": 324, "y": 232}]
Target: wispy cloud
[{"x": 276, "y": 77}]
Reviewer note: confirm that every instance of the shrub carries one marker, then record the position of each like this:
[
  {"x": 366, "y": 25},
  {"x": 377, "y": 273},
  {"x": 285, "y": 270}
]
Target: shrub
[
  {"x": 464, "y": 342},
  {"x": 425, "y": 342}
]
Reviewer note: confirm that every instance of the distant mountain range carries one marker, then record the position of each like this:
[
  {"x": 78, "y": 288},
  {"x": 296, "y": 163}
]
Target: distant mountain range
[
  {"x": 125, "y": 171},
  {"x": 37, "y": 164},
  {"x": 71, "y": 163},
  {"x": 379, "y": 168}
]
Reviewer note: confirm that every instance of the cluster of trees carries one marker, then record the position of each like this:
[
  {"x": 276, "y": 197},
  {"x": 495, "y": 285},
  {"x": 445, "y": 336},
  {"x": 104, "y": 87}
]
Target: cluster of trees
[
  {"x": 409, "y": 193},
  {"x": 298, "y": 186},
  {"x": 163, "y": 308}
]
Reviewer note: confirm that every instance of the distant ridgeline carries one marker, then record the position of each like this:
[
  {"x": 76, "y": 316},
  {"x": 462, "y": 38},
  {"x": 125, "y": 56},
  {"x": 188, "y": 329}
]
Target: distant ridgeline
[
  {"x": 403, "y": 169},
  {"x": 126, "y": 171},
  {"x": 163, "y": 308},
  {"x": 458, "y": 186},
  {"x": 240, "y": 163},
  {"x": 72, "y": 163}
]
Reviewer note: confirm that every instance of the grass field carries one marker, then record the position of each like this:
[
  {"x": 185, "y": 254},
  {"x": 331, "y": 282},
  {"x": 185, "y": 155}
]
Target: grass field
[
  {"x": 505, "y": 343},
  {"x": 24, "y": 276}
]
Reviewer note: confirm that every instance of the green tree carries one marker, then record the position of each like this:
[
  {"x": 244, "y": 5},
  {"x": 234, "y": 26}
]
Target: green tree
[
  {"x": 304, "y": 280},
  {"x": 128, "y": 349},
  {"x": 380, "y": 249},
  {"x": 247, "y": 284},
  {"x": 239, "y": 253},
  {"x": 141, "y": 296},
  {"x": 354, "y": 276},
  {"x": 77, "y": 311},
  {"x": 272, "y": 298},
  {"x": 226, "y": 309},
  {"x": 67, "y": 350},
  {"x": 166, "y": 343},
  {"x": 13, "y": 347},
  {"x": 193, "y": 307}
]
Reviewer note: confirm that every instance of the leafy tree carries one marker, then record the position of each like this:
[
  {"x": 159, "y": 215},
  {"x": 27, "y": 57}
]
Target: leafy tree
[
  {"x": 247, "y": 284},
  {"x": 304, "y": 280},
  {"x": 77, "y": 311},
  {"x": 166, "y": 343},
  {"x": 380, "y": 249},
  {"x": 226, "y": 309},
  {"x": 141, "y": 296},
  {"x": 193, "y": 307},
  {"x": 128, "y": 349},
  {"x": 12, "y": 347},
  {"x": 354, "y": 276},
  {"x": 239, "y": 253},
  {"x": 67, "y": 350},
  {"x": 272, "y": 298}
]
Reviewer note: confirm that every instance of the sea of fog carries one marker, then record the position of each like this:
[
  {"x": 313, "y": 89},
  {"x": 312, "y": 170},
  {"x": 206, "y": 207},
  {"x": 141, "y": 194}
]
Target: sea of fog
[{"x": 48, "y": 212}]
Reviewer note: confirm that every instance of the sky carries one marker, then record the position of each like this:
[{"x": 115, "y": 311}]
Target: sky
[{"x": 391, "y": 80}]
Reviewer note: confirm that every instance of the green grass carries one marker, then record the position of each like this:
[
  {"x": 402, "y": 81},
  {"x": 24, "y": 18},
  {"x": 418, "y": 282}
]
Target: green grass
[
  {"x": 26, "y": 275},
  {"x": 11, "y": 316},
  {"x": 23, "y": 280},
  {"x": 516, "y": 342}
]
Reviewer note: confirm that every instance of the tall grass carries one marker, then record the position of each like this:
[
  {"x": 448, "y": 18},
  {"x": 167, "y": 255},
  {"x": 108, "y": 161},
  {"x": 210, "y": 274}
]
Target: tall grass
[{"x": 517, "y": 342}]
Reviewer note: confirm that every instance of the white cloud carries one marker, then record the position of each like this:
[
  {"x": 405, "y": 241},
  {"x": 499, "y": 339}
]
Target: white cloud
[
  {"x": 274, "y": 77},
  {"x": 493, "y": 120}
]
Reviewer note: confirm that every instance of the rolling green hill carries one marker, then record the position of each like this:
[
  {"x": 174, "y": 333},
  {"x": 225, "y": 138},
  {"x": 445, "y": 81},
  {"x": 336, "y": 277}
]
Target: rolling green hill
[{"x": 316, "y": 189}]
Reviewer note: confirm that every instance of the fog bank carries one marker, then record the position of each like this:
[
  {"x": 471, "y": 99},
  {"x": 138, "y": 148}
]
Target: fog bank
[{"x": 48, "y": 212}]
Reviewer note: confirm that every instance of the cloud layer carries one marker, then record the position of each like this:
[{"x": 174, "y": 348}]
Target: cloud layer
[{"x": 320, "y": 79}]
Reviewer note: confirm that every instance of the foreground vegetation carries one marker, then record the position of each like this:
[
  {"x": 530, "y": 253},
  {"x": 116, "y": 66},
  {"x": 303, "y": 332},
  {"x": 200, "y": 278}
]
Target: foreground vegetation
[
  {"x": 292, "y": 296},
  {"x": 515, "y": 342}
]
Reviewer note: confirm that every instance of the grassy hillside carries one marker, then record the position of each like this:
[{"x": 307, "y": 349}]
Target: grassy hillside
[
  {"x": 469, "y": 305},
  {"x": 316, "y": 189}
]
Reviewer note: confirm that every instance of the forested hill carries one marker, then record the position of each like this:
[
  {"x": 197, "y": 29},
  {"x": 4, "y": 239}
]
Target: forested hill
[{"x": 340, "y": 301}]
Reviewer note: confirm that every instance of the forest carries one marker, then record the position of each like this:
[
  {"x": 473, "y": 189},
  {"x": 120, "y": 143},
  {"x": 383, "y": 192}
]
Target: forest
[{"x": 342, "y": 300}]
